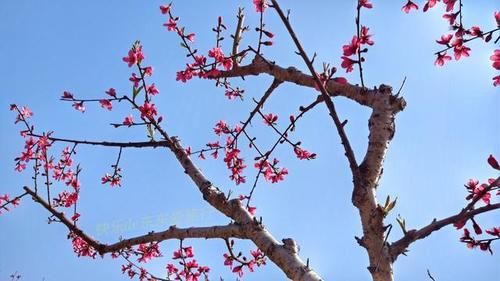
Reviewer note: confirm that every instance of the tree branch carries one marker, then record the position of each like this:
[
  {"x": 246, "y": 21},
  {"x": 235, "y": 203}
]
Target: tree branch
[
  {"x": 400, "y": 246},
  {"x": 349, "y": 153},
  {"x": 260, "y": 66},
  {"x": 153, "y": 144},
  {"x": 219, "y": 231}
]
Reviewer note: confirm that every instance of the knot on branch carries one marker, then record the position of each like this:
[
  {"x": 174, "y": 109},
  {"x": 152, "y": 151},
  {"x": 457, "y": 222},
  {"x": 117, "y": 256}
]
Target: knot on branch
[
  {"x": 385, "y": 89},
  {"x": 290, "y": 245}
]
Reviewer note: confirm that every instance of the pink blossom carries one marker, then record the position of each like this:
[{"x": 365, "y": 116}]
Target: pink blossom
[
  {"x": 475, "y": 31},
  {"x": 221, "y": 128},
  {"x": 189, "y": 252},
  {"x": 429, "y": 4},
  {"x": 135, "y": 55},
  {"x": 25, "y": 112},
  {"x": 135, "y": 80},
  {"x": 441, "y": 59},
  {"x": 252, "y": 210},
  {"x": 75, "y": 217},
  {"x": 365, "y": 3},
  {"x": 408, "y": 6},
  {"x": 270, "y": 119},
  {"x": 171, "y": 269},
  {"x": 106, "y": 104},
  {"x": 148, "y": 251},
  {"x": 111, "y": 92},
  {"x": 67, "y": 95},
  {"x": 496, "y": 59},
  {"x": 227, "y": 63},
  {"x": 148, "y": 71},
  {"x": 495, "y": 231},
  {"x": 496, "y": 80},
  {"x": 260, "y": 5},
  {"x": 199, "y": 60},
  {"x": 352, "y": 48},
  {"x": 303, "y": 154},
  {"x": 235, "y": 164},
  {"x": 148, "y": 110},
  {"x": 190, "y": 37},
  {"x": 238, "y": 269},
  {"x": 217, "y": 54},
  {"x": 445, "y": 39},
  {"x": 165, "y": 9},
  {"x": 80, "y": 247},
  {"x": 497, "y": 17},
  {"x": 451, "y": 17},
  {"x": 171, "y": 24},
  {"x": 184, "y": 75},
  {"x": 20, "y": 166},
  {"x": 152, "y": 90},
  {"x": 365, "y": 37},
  {"x": 233, "y": 93},
  {"x": 347, "y": 63},
  {"x": 449, "y": 4},
  {"x": 79, "y": 106},
  {"x": 459, "y": 49},
  {"x": 493, "y": 162},
  {"x": 128, "y": 121},
  {"x": 228, "y": 260}
]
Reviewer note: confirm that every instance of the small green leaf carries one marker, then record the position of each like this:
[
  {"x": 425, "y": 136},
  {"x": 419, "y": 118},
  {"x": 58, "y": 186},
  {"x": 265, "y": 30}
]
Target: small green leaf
[
  {"x": 151, "y": 132},
  {"x": 387, "y": 200},
  {"x": 391, "y": 205},
  {"x": 402, "y": 224}
]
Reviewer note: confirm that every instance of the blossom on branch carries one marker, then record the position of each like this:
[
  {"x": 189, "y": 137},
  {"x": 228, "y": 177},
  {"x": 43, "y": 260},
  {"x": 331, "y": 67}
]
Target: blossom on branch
[
  {"x": 260, "y": 5},
  {"x": 148, "y": 110},
  {"x": 409, "y": 6},
  {"x": 106, "y": 104},
  {"x": 135, "y": 55}
]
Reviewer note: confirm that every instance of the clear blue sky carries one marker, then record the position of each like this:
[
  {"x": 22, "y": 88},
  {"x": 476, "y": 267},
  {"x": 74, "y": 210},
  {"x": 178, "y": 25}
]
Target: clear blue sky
[{"x": 442, "y": 139}]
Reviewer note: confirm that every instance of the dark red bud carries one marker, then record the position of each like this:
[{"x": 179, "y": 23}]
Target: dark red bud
[{"x": 493, "y": 162}]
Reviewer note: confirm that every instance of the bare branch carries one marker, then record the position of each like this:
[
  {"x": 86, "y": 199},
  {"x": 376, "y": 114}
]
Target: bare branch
[
  {"x": 260, "y": 104},
  {"x": 329, "y": 103},
  {"x": 259, "y": 66},
  {"x": 218, "y": 231},
  {"x": 153, "y": 144}
]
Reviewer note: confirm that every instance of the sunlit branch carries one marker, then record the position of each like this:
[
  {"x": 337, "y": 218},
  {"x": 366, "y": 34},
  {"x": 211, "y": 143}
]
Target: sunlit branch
[
  {"x": 400, "y": 246},
  {"x": 209, "y": 232}
]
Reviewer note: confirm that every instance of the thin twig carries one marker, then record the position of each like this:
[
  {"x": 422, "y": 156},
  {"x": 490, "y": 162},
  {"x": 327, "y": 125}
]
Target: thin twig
[
  {"x": 329, "y": 103},
  {"x": 153, "y": 144}
]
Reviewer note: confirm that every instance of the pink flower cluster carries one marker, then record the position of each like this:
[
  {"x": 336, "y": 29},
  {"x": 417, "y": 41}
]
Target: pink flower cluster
[
  {"x": 147, "y": 252},
  {"x": 357, "y": 41},
  {"x": 461, "y": 35},
  {"x": 5, "y": 201},
  {"x": 480, "y": 192},
  {"x": 188, "y": 269},
  {"x": 258, "y": 259},
  {"x": 270, "y": 171},
  {"x": 80, "y": 247},
  {"x": 232, "y": 158}
]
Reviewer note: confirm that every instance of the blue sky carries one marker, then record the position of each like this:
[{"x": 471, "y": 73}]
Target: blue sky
[{"x": 442, "y": 139}]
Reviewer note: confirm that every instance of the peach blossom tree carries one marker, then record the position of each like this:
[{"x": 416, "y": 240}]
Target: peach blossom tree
[{"x": 248, "y": 161}]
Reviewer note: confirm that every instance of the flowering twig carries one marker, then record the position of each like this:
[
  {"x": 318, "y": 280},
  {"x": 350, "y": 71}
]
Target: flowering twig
[{"x": 398, "y": 247}]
